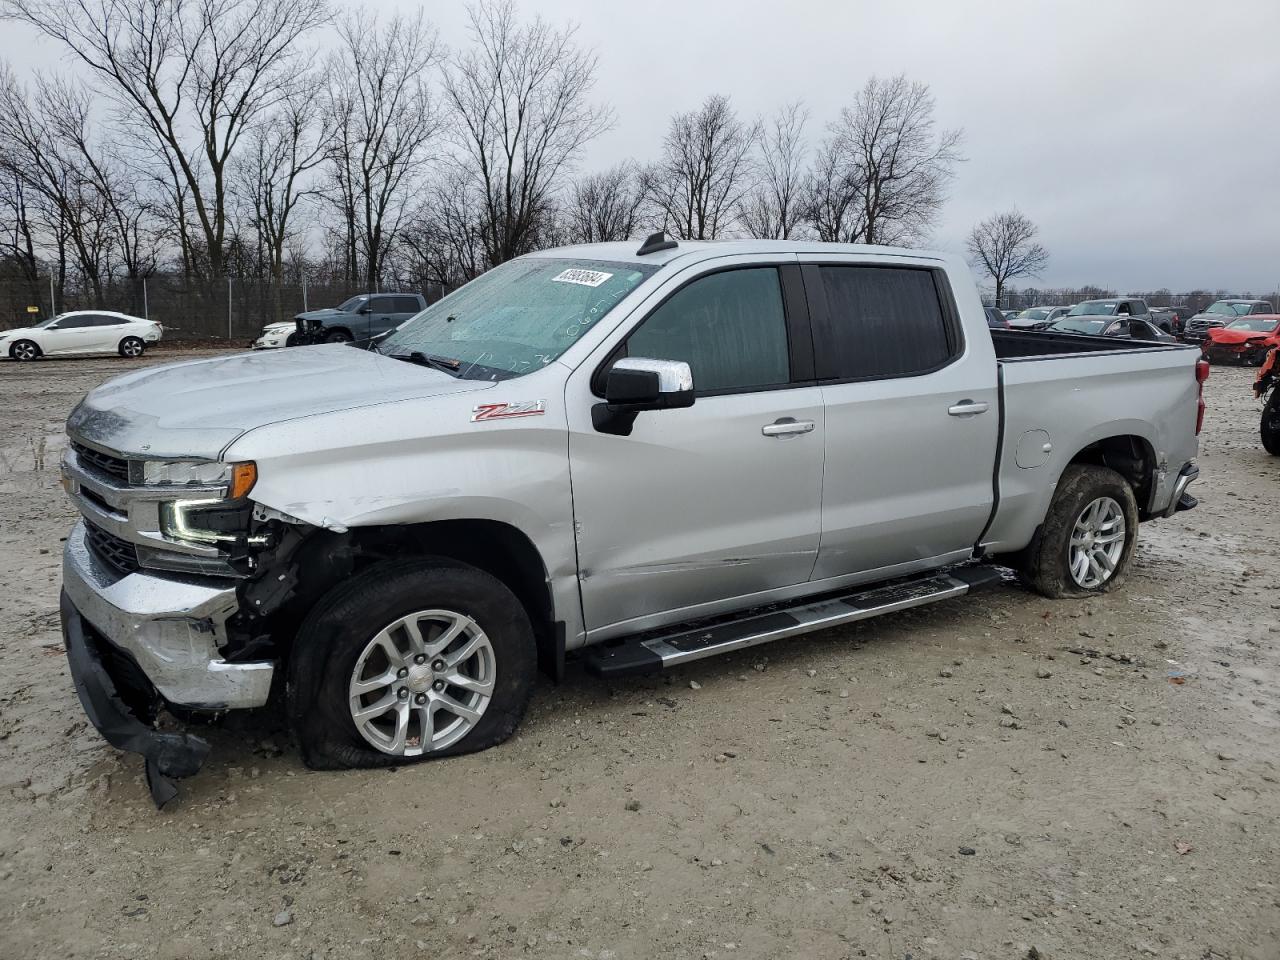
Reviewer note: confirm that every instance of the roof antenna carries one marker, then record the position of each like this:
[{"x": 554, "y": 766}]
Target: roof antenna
[{"x": 655, "y": 242}]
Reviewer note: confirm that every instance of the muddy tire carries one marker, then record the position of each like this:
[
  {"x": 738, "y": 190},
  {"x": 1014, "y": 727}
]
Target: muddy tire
[
  {"x": 1087, "y": 540},
  {"x": 1270, "y": 425},
  {"x": 131, "y": 348},
  {"x": 376, "y": 681},
  {"x": 24, "y": 350}
]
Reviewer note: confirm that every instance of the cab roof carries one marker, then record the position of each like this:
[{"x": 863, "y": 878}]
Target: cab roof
[{"x": 693, "y": 251}]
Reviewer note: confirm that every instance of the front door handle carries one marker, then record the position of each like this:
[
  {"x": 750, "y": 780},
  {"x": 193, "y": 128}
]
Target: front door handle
[
  {"x": 787, "y": 427},
  {"x": 967, "y": 408}
]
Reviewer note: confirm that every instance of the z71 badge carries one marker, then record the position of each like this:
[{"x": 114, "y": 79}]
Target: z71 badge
[{"x": 508, "y": 411}]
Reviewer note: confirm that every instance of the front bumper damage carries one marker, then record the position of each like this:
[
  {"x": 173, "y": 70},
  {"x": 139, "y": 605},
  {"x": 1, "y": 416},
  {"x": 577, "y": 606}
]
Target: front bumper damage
[{"x": 141, "y": 641}]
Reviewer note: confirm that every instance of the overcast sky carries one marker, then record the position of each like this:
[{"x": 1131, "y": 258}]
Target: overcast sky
[{"x": 1142, "y": 137}]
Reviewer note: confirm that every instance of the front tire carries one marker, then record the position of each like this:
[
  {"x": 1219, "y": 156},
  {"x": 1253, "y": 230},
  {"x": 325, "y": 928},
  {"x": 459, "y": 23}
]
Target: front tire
[
  {"x": 131, "y": 348},
  {"x": 408, "y": 661},
  {"x": 24, "y": 350},
  {"x": 337, "y": 336},
  {"x": 1087, "y": 540}
]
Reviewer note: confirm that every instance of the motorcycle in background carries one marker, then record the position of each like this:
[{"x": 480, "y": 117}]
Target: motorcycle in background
[{"x": 1267, "y": 382}]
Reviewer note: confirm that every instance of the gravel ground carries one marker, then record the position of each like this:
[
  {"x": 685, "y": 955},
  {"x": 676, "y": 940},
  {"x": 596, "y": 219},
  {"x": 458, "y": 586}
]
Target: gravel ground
[{"x": 1005, "y": 777}]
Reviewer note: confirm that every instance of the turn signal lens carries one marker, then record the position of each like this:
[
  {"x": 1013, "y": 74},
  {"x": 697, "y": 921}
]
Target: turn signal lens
[{"x": 243, "y": 477}]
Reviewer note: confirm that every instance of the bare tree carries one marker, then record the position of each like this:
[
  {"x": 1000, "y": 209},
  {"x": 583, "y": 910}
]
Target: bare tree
[
  {"x": 1004, "y": 246},
  {"x": 519, "y": 96},
  {"x": 775, "y": 207},
  {"x": 447, "y": 237},
  {"x": 886, "y": 144},
  {"x": 832, "y": 200},
  {"x": 383, "y": 121},
  {"x": 604, "y": 206},
  {"x": 271, "y": 175},
  {"x": 705, "y": 170},
  {"x": 195, "y": 73}
]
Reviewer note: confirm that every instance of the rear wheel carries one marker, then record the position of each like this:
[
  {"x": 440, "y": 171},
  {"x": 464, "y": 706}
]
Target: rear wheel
[
  {"x": 337, "y": 336},
  {"x": 409, "y": 661},
  {"x": 132, "y": 347},
  {"x": 1086, "y": 543},
  {"x": 24, "y": 350},
  {"x": 1271, "y": 424}
]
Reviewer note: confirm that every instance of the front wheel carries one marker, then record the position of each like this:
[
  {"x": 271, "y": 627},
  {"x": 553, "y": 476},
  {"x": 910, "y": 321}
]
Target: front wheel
[
  {"x": 24, "y": 350},
  {"x": 337, "y": 336},
  {"x": 132, "y": 347},
  {"x": 409, "y": 661},
  {"x": 1086, "y": 543},
  {"x": 1270, "y": 427}
]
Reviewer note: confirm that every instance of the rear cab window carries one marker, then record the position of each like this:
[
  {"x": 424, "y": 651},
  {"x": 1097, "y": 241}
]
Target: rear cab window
[{"x": 883, "y": 322}]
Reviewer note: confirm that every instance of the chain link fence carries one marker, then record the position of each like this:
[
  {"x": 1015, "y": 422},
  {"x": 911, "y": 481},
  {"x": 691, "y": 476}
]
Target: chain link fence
[{"x": 226, "y": 310}]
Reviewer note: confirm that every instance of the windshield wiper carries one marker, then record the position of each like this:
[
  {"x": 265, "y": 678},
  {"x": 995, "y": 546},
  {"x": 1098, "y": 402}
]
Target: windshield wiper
[{"x": 447, "y": 364}]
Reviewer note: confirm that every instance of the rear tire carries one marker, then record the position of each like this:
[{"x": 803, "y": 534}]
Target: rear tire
[
  {"x": 25, "y": 350},
  {"x": 335, "y": 645},
  {"x": 1074, "y": 553},
  {"x": 1270, "y": 426},
  {"x": 131, "y": 348}
]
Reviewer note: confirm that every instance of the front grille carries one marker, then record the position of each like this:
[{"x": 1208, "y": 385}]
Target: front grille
[
  {"x": 1200, "y": 326},
  {"x": 102, "y": 463},
  {"x": 119, "y": 554}
]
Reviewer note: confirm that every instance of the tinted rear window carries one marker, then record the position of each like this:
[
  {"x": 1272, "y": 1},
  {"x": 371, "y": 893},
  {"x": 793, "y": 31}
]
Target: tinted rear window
[{"x": 881, "y": 322}]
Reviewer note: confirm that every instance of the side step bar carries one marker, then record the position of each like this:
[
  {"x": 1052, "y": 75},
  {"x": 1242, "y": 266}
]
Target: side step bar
[{"x": 636, "y": 657}]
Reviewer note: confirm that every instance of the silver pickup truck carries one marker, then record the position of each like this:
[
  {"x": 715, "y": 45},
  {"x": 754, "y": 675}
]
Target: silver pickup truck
[{"x": 638, "y": 457}]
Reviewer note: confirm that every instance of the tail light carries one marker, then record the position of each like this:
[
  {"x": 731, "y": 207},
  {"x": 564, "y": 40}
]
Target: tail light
[{"x": 1202, "y": 374}]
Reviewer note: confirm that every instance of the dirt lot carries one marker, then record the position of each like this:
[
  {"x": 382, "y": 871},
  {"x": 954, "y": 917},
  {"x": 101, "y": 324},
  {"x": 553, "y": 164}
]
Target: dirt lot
[{"x": 956, "y": 782}]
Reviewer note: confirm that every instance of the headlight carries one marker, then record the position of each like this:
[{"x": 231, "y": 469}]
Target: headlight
[{"x": 238, "y": 478}]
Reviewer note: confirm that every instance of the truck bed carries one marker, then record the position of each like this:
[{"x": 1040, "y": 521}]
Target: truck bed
[{"x": 1031, "y": 344}]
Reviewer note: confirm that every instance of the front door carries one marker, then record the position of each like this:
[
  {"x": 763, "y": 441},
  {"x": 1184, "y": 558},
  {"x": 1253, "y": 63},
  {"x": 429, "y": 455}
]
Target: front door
[
  {"x": 912, "y": 420},
  {"x": 700, "y": 509}
]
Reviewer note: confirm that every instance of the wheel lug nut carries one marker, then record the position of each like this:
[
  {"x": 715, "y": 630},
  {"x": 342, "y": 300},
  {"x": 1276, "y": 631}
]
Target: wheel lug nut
[
  {"x": 402, "y": 672},
  {"x": 438, "y": 686},
  {"x": 420, "y": 658},
  {"x": 438, "y": 666},
  {"x": 403, "y": 693},
  {"x": 420, "y": 699}
]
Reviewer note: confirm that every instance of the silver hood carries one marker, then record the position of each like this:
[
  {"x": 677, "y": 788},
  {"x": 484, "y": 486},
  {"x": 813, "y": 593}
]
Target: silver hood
[{"x": 197, "y": 408}]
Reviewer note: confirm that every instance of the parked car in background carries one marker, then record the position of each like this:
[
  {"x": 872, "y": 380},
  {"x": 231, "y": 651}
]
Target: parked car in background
[
  {"x": 1220, "y": 313},
  {"x": 1170, "y": 319},
  {"x": 359, "y": 319},
  {"x": 1245, "y": 340},
  {"x": 996, "y": 318},
  {"x": 276, "y": 335},
  {"x": 1133, "y": 328},
  {"x": 81, "y": 331},
  {"x": 1010, "y": 314},
  {"x": 1037, "y": 318},
  {"x": 1111, "y": 307},
  {"x": 391, "y": 538}
]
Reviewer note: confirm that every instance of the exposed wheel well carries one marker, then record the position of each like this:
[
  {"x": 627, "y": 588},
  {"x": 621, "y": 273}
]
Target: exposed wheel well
[{"x": 1130, "y": 456}]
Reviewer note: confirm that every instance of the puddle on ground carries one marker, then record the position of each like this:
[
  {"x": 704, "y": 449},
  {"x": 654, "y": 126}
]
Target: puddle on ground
[{"x": 32, "y": 462}]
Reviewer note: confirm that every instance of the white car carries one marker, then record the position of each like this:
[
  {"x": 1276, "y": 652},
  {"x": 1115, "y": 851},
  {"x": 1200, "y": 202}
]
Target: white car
[
  {"x": 275, "y": 335},
  {"x": 81, "y": 331}
]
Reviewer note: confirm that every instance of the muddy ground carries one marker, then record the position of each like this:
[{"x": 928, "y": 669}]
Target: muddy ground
[{"x": 955, "y": 782}]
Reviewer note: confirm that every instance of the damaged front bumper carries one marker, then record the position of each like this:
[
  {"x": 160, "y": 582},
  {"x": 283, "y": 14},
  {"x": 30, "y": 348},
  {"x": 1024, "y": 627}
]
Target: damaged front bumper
[{"x": 139, "y": 641}]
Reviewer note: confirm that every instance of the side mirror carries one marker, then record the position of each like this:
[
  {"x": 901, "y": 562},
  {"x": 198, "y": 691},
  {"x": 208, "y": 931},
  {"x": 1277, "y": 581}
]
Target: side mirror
[{"x": 635, "y": 384}]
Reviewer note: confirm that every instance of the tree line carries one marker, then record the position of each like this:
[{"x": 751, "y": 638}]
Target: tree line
[{"x": 270, "y": 139}]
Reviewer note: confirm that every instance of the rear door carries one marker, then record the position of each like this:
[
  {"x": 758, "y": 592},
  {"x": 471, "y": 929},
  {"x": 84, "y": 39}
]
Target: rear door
[
  {"x": 403, "y": 308},
  {"x": 709, "y": 508},
  {"x": 912, "y": 419},
  {"x": 381, "y": 316}
]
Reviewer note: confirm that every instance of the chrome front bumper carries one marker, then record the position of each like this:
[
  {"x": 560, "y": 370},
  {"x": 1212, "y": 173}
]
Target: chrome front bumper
[{"x": 172, "y": 627}]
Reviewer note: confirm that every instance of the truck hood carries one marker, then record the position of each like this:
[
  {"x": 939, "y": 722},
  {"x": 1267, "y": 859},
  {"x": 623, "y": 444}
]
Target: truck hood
[
  {"x": 326, "y": 314},
  {"x": 1220, "y": 335},
  {"x": 196, "y": 409}
]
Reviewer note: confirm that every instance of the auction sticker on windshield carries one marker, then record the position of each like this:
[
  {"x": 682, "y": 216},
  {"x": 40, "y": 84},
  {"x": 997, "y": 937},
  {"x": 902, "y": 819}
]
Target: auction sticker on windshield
[{"x": 585, "y": 278}]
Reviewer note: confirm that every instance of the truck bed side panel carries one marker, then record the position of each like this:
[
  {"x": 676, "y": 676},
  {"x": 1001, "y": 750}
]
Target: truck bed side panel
[{"x": 1068, "y": 402}]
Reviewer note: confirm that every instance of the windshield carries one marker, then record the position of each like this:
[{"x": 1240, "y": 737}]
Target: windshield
[
  {"x": 1035, "y": 313},
  {"x": 49, "y": 322},
  {"x": 352, "y": 305},
  {"x": 1079, "y": 326},
  {"x": 519, "y": 316},
  {"x": 1224, "y": 309},
  {"x": 1094, "y": 308},
  {"x": 1256, "y": 324}
]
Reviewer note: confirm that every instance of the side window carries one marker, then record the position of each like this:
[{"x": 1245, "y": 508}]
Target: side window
[
  {"x": 76, "y": 322},
  {"x": 1123, "y": 309},
  {"x": 729, "y": 327},
  {"x": 382, "y": 304},
  {"x": 881, "y": 322},
  {"x": 106, "y": 320},
  {"x": 406, "y": 305},
  {"x": 1140, "y": 308}
]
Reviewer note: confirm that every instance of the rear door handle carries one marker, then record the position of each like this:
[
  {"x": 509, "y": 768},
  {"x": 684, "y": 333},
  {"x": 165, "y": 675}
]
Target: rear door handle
[
  {"x": 787, "y": 427},
  {"x": 967, "y": 408}
]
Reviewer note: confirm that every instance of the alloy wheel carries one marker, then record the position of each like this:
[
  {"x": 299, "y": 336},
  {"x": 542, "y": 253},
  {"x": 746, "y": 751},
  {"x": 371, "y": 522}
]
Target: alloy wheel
[{"x": 1097, "y": 543}]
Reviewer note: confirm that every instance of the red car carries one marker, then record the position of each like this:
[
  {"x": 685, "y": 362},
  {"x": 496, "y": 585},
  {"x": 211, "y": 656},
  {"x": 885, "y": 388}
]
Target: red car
[{"x": 1245, "y": 340}]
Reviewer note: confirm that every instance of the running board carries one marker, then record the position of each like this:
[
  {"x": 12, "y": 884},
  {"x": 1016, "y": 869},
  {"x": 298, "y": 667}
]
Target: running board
[{"x": 634, "y": 657}]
